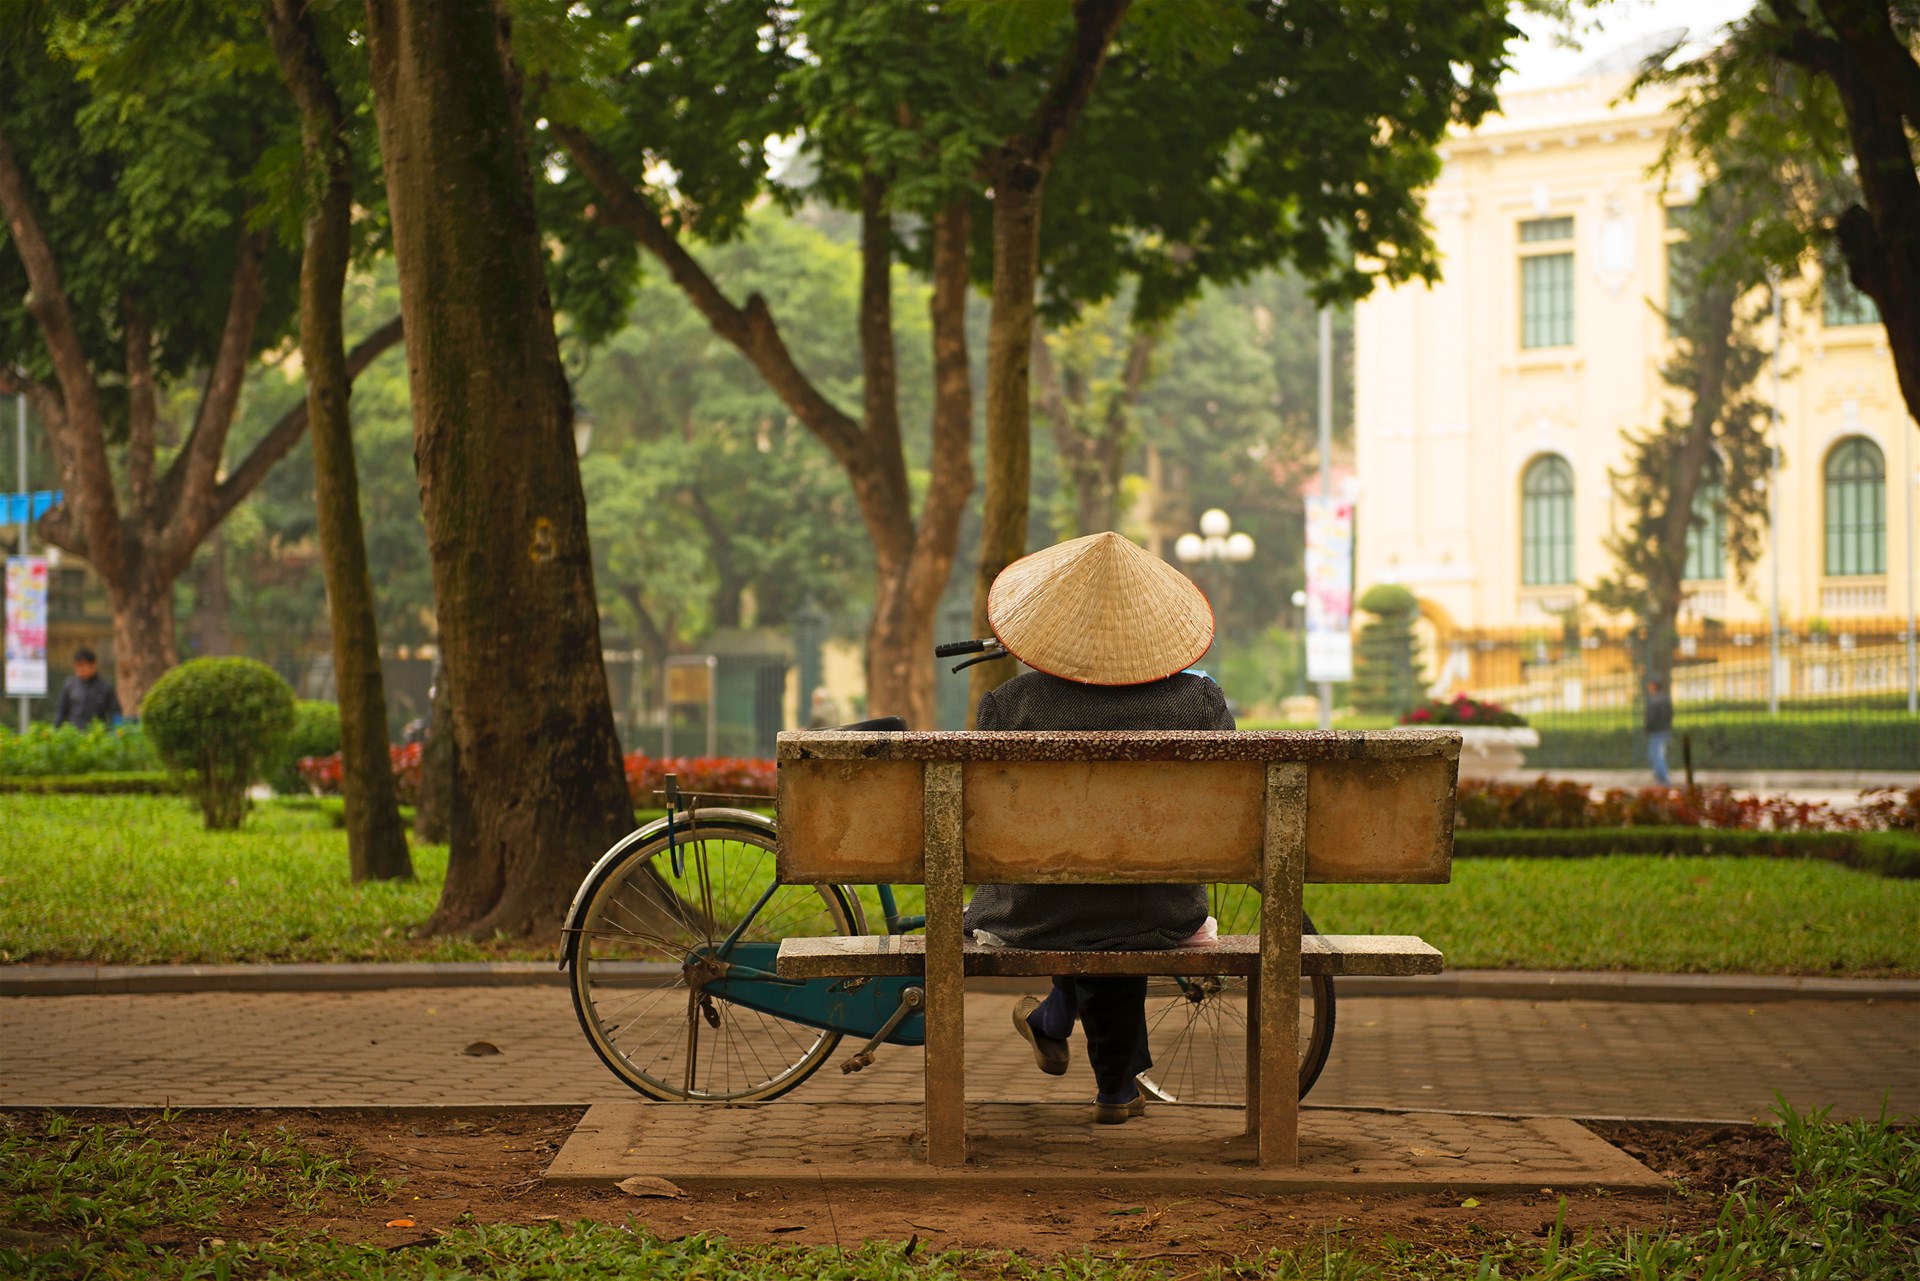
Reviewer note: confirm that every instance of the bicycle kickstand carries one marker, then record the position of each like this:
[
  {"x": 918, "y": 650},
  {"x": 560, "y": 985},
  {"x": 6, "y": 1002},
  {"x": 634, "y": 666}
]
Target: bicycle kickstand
[{"x": 910, "y": 1000}]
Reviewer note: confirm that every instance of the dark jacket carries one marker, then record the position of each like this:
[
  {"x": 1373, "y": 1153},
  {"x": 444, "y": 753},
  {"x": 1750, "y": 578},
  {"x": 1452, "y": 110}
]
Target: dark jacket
[
  {"x": 1659, "y": 713},
  {"x": 84, "y": 702},
  {"x": 1093, "y": 918}
]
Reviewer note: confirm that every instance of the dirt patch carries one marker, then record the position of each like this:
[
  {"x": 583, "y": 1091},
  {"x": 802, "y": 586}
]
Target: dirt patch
[
  {"x": 459, "y": 1168},
  {"x": 1701, "y": 1160}
]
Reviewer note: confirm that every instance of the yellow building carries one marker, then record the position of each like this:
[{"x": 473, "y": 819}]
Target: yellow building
[{"x": 1489, "y": 408}]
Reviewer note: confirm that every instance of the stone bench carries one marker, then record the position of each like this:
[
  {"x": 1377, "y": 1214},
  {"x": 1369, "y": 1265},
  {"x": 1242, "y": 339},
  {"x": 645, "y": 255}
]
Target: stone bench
[{"x": 1273, "y": 810}]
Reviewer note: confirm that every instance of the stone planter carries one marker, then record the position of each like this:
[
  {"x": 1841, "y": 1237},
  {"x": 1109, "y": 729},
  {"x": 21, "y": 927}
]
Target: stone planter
[{"x": 1490, "y": 751}]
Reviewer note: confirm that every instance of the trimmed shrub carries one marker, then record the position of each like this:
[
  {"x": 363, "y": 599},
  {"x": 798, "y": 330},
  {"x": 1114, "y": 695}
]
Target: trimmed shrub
[
  {"x": 1894, "y": 854},
  {"x": 316, "y": 732},
  {"x": 44, "y": 751},
  {"x": 218, "y": 723},
  {"x": 1724, "y": 741},
  {"x": 1386, "y": 667}
]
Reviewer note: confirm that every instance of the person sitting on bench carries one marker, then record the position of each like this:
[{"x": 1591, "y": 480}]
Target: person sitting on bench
[{"x": 1109, "y": 631}]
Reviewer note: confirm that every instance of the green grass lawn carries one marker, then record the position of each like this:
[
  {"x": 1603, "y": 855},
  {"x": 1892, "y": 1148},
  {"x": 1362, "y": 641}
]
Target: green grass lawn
[{"x": 134, "y": 880}]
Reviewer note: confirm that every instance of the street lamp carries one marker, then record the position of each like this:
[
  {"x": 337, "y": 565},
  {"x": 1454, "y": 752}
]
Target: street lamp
[{"x": 1214, "y": 542}]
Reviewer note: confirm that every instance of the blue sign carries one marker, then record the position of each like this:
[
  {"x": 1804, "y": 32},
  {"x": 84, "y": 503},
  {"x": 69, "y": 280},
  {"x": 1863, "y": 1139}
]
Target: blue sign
[{"x": 23, "y": 508}]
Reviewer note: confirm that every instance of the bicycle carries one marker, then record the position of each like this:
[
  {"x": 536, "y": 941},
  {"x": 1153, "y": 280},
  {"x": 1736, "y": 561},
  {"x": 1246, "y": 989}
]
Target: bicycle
[{"x": 671, "y": 941}]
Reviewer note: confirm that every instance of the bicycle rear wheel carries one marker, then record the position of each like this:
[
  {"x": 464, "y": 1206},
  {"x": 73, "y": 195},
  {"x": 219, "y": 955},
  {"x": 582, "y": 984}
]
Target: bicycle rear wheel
[
  {"x": 1197, "y": 1027},
  {"x": 650, "y": 935}
]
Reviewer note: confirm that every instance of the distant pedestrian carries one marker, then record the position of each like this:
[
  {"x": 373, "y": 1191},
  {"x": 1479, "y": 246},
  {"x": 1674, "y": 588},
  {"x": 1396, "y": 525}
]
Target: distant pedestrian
[
  {"x": 87, "y": 696},
  {"x": 1659, "y": 729}
]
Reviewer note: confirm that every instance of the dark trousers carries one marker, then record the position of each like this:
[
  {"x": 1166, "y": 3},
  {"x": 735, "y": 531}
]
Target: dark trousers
[{"x": 1113, "y": 1013}]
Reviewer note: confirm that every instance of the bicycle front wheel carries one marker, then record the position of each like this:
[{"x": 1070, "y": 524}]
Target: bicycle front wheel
[
  {"x": 650, "y": 934},
  {"x": 1197, "y": 1026}
]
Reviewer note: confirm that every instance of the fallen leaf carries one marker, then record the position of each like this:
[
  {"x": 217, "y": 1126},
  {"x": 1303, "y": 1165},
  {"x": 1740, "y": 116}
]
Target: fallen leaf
[
  {"x": 399, "y": 1223},
  {"x": 790, "y": 1227},
  {"x": 647, "y": 1185},
  {"x": 480, "y": 1049},
  {"x": 1469, "y": 1203},
  {"x": 913, "y": 1243},
  {"x": 1131, "y": 1209},
  {"x": 1457, "y": 1156}
]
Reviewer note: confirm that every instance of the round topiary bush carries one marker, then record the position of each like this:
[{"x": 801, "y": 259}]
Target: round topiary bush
[
  {"x": 219, "y": 723},
  {"x": 316, "y": 732}
]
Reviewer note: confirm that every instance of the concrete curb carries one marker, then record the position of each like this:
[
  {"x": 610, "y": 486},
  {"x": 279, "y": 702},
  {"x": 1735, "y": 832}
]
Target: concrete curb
[{"x": 1510, "y": 985}]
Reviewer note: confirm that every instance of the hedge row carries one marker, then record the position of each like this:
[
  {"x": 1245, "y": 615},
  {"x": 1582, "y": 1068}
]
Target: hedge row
[
  {"x": 1895, "y": 854},
  {"x": 120, "y": 783},
  {"x": 1830, "y": 743}
]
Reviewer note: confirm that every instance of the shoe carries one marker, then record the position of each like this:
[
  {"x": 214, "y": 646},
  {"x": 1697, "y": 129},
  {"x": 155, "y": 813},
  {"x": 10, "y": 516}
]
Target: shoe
[
  {"x": 1120, "y": 1113},
  {"x": 1049, "y": 1052}
]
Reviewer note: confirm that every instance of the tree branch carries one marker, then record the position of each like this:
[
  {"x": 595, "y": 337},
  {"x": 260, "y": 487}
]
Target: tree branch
[
  {"x": 189, "y": 485},
  {"x": 141, "y": 410},
  {"x": 750, "y": 328},
  {"x": 1867, "y": 37},
  {"x": 85, "y": 448},
  {"x": 286, "y": 433},
  {"x": 1094, "y": 22},
  {"x": 951, "y": 482},
  {"x": 880, "y": 390}
]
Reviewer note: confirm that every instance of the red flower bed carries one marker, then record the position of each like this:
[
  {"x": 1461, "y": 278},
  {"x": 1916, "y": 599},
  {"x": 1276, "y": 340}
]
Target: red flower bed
[
  {"x": 1462, "y": 710},
  {"x": 1561, "y": 803},
  {"x": 324, "y": 774},
  {"x": 733, "y": 775},
  {"x": 646, "y": 775}
]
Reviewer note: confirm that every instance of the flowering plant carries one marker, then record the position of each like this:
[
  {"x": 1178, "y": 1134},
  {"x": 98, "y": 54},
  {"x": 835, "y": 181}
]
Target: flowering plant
[
  {"x": 733, "y": 775},
  {"x": 1563, "y": 803},
  {"x": 1462, "y": 710},
  {"x": 325, "y": 775}
]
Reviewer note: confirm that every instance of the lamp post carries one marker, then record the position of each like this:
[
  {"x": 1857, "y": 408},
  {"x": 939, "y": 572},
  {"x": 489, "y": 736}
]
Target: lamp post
[
  {"x": 1300, "y": 632},
  {"x": 1214, "y": 542}
]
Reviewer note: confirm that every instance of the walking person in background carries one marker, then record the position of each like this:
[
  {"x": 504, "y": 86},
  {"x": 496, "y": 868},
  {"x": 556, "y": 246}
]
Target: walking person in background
[
  {"x": 1659, "y": 730},
  {"x": 87, "y": 696}
]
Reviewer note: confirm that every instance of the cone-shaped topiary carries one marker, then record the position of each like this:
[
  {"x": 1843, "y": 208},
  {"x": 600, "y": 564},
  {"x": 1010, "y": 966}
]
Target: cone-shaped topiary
[
  {"x": 1387, "y": 676},
  {"x": 219, "y": 722}
]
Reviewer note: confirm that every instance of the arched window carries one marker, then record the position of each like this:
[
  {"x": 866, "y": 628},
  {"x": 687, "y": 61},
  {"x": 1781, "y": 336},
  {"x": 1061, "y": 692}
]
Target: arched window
[
  {"x": 1707, "y": 535},
  {"x": 1856, "y": 509},
  {"x": 1546, "y": 522}
]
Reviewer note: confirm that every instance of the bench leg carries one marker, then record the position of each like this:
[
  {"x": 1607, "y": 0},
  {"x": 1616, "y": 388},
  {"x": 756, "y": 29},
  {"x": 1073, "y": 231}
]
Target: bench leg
[
  {"x": 946, "y": 981},
  {"x": 1253, "y": 1059},
  {"x": 1276, "y": 999}
]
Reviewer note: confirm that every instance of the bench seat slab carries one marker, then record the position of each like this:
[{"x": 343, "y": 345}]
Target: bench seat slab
[{"x": 890, "y": 955}]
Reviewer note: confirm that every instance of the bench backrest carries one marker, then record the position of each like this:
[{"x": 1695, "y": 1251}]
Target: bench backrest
[{"x": 1103, "y": 806}]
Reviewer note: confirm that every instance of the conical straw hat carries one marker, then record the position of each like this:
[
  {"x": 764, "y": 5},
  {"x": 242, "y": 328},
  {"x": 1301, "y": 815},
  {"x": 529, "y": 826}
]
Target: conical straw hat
[{"x": 1100, "y": 610}]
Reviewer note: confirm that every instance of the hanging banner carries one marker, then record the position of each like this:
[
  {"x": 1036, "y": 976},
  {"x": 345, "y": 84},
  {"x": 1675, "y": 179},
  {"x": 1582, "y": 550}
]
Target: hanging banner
[
  {"x": 26, "y": 626},
  {"x": 1329, "y": 589}
]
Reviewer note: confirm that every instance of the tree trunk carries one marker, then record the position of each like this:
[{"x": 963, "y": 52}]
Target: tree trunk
[
  {"x": 538, "y": 762},
  {"x": 212, "y": 612},
  {"x": 376, "y": 839},
  {"x": 1003, "y": 515},
  {"x": 144, "y": 644},
  {"x": 433, "y": 808},
  {"x": 1018, "y": 172}
]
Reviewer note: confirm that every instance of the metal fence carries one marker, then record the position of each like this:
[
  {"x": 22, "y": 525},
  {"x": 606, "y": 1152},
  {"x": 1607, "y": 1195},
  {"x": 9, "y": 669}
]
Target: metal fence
[{"x": 1814, "y": 697}]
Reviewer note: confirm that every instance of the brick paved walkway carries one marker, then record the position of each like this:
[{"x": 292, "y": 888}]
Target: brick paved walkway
[
  {"x": 405, "y": 1047},
  {"x": 1056, "y": 1146}
]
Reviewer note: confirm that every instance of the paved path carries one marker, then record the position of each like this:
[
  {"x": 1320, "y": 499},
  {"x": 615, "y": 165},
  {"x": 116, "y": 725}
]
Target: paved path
[{"x": 405, "y": 1047}]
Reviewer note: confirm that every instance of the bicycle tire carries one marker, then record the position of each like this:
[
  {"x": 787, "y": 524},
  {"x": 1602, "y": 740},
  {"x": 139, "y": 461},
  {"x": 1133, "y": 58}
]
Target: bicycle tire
[
  {"x": 1197, "y": 1028},
  {"x": 647, "y": 1022}
]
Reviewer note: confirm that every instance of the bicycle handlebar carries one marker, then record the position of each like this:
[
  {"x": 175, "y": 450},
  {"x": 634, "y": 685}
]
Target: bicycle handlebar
[{"x": 953, "y": 648}]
